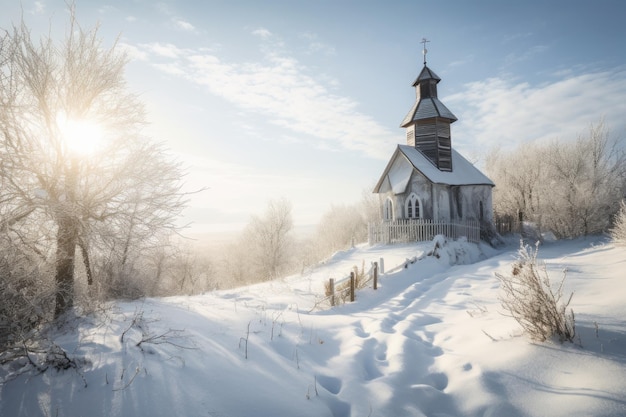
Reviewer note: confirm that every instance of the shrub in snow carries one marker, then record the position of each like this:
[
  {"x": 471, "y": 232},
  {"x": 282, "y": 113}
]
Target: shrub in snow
[
  {"x": 618, "y": 232},
  {"x": 26, "y": 296},
  {"x": 439, "y": 242},
  {"x": 529, "y": 298}
]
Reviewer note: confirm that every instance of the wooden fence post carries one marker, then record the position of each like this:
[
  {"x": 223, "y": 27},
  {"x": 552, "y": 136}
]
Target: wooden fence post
[
  {"x": 382, "y": 265},
  {"x": 352, "y": 282},
  {"x": 331, "y": 285},
  {"x": 375, "y": 275}
]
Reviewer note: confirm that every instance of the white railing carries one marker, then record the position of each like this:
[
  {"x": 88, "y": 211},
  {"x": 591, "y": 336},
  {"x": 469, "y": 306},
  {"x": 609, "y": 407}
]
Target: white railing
[{"x": 420, "y": 230}]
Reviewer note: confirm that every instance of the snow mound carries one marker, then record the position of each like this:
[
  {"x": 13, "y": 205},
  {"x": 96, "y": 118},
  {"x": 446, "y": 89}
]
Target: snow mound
[{"x": 458, "y": 252}]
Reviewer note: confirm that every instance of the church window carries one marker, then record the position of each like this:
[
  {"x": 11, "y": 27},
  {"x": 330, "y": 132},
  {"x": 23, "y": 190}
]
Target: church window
[
  {"x": 413, "y": 208},
  {"x": 481, "y": 214},
  {"x": 388, "y": 209}
]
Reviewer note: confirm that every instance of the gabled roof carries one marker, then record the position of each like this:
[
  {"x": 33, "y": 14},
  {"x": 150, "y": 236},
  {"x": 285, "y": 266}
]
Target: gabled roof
[
  {"x": 426, "y": 108},
  {"x": 406, "y": 158}
]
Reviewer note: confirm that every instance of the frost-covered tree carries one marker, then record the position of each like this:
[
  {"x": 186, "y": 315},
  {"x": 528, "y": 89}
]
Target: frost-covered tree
[
  {"x": 340, "y": 227},
  {"x": 346, "y": 224},
  {"x": 268, "y": 239},
  {"x": 618, "y": 232},
  {"x": 584, "y": 183},
  {"x": 518, "y": 176},
  {"x": 571, "y": 188},
  {"x": 77, "y": 178}
]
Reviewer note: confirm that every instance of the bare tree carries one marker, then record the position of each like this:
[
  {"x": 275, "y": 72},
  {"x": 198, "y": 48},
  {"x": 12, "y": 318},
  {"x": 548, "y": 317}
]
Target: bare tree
[
  {"x": 518, "y": 176},
  {"x": 268, "y": 239},
  {"x": 234, "y": 263},
  {"x": 370, "y": 206},
  {"x": 54, "y": 99},
  {"x": 340, "y": 227},
  {"x": 344, "y": 225}
]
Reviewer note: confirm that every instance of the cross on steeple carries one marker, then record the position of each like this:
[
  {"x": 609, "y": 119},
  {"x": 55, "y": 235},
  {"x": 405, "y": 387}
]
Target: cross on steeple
[{"x": 424, "y": 50}]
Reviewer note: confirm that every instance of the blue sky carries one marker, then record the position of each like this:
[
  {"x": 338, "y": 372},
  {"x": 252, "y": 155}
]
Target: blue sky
[{"x": 303, "y": 99}]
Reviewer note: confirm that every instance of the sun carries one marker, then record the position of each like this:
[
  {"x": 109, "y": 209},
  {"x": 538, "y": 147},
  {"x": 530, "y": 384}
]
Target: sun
[{"x": 80, "y": 136}]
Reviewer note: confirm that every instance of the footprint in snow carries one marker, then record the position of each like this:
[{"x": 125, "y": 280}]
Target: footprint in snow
[{"x": 330, "y": 383}]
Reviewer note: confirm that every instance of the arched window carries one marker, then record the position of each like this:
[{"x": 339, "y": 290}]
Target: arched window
[
  {"x": 388, "y": 209},
  {"x": 481, "y": 214},
  {"x": 413, "y": 208}
]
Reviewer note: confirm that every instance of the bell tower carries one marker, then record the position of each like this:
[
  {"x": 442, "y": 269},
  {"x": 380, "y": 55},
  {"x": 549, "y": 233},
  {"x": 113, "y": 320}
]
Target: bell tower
[{"x": 428, "y": 122}]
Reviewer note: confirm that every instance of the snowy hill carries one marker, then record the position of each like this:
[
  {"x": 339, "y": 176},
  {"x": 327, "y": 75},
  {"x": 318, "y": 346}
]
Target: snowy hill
[{"x": 431, "y": 341}]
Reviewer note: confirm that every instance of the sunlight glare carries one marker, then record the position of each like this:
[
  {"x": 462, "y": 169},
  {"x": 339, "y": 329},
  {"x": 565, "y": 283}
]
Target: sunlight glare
[{"x": 81, "y": 136}]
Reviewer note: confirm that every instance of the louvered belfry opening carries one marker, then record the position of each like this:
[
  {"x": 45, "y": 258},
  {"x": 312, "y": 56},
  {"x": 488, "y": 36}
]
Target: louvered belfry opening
[
  {"x": 432, "y": 138},
  {"x": 428, "y": 122}
]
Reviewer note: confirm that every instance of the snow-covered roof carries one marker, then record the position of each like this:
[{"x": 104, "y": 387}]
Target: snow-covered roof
[
  {"x": 406, "y": 158},
  {"x": 399, "y": 175}
]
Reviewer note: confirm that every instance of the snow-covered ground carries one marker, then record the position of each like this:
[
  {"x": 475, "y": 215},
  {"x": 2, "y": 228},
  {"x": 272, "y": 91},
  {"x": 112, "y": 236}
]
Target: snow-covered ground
[{"x": 431, "y": 341}]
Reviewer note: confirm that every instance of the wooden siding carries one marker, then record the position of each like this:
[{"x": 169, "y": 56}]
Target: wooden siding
[
  {"x": 444, "y": 154},
  {"x": 433, "y": 139},
  {"x": 403, "y": 231}
]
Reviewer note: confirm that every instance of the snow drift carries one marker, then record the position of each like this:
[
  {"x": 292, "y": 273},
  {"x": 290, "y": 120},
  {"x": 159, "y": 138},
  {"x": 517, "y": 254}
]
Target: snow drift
[{"x": 431, "y": 341}]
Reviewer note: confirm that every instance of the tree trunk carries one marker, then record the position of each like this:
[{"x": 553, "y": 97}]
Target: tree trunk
[
  {"x": 64, "y": 278},
  {"x": 86, "y": 261}
]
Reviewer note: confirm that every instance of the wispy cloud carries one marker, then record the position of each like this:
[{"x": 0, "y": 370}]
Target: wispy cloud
[
  {"x": 516, "y": 37},
  {"x": 172, "y": 19},
  {"x": 516, "y": 58},
  {"x": 107, "y": 8},
  {"x": 183, "y": 25},
  {"x": 316, "y": 45},
  {"x": 505, "y": 112},
  {"x": 262, "y": 33},
  {"x": 39, "y": 7},
  {"x": 284, "y": 91},
  {"x": 163, "y": 50},
  {"x": 133, "y": 52},
  {"x": 462, "y": 62}
]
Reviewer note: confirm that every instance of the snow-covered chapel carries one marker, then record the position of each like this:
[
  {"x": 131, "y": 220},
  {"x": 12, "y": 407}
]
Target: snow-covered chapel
[{"x": 427, "y": 178}]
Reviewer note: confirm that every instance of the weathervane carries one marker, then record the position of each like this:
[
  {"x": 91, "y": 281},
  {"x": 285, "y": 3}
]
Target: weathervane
[{"x": 424, "y": 51}]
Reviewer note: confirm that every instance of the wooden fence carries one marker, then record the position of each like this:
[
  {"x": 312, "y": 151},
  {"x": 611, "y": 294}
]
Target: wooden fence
[
  {"x": 508, "y": 224},
  {"x": 340, "y": 291},
  {"x": 343, "y": 290},
  {"x": 403, "y": 231}
]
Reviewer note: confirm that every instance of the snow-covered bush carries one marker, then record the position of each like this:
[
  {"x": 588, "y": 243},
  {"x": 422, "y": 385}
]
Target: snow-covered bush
[
  {"x": 454, "y": 252},
  {"x": 528, "y": 296},
  {"x": 618, "y": 232}
]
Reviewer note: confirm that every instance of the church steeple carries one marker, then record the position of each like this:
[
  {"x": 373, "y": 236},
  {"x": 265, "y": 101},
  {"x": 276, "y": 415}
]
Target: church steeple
[{"x": 428, "y": 122}]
